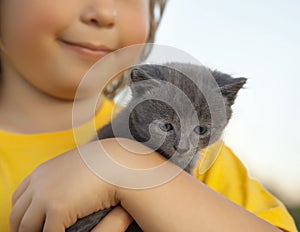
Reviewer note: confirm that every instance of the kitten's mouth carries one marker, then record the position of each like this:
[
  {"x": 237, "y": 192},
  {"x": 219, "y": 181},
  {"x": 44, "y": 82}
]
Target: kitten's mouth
[
  {"x": 163, "y": 153},
  {"x": 174, "y": 152}
]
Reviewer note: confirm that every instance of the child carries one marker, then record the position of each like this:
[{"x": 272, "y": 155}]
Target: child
[{"x": 46, "y": 48}]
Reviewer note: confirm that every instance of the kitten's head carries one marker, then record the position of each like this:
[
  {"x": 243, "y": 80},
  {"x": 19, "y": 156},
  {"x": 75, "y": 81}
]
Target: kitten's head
[{"x": 172, "y": 115}]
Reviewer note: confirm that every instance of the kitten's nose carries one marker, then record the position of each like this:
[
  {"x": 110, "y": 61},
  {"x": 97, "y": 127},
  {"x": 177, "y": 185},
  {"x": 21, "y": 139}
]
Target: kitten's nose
[{"x": 183, "y": 148}]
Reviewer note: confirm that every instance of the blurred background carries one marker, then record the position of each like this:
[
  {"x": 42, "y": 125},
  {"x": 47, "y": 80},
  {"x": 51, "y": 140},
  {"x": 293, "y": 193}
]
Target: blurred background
[{"x": 258, "y": 40}]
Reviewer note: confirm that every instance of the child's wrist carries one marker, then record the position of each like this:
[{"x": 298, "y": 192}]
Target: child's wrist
[{"x": 131, "y": 156}]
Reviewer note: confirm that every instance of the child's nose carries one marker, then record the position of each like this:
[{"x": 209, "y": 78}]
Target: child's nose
[{"x": 101, "y": 13}]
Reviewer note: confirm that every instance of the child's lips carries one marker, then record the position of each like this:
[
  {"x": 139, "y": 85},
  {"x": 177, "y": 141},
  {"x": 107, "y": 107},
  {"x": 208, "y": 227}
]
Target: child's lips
[{"x": 87, "y": 50}]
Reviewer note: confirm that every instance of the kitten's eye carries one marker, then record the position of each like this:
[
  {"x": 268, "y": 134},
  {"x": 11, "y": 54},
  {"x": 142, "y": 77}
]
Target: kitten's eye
[
  {"x": 166, "y": 127},
  {"x": 200, "y": 130}
]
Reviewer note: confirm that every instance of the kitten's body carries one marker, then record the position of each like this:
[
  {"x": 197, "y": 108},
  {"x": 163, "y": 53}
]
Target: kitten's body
[{"x": 177, "y": 123}]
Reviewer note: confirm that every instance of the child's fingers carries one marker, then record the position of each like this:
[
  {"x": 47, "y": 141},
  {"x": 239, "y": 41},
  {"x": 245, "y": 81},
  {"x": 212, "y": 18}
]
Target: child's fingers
[
  {"x": 20, "y": 190},
  {"x": 18, "y": 211},
  {"x": 53, "y": 222},
  {"x": 33, "y": 219},
  {"x": 116, "y": 221}
]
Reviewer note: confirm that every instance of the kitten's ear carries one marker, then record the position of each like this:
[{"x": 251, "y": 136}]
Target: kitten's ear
[
  {"x": 139, "y": 74},
  {"x": 141, "y": 80},
  {"x": 230, "y": 90}
]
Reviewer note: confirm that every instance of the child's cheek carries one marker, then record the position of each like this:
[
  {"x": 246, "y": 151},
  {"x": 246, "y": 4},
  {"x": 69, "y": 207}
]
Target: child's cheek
[
  {"x": 136, "y": 34},
  {"x": 29, "y": 27},
  {"x": 26, "y": 20},
  {"x": 133, "y": 22}
]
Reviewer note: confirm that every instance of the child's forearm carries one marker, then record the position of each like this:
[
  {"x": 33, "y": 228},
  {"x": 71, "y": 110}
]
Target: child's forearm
[{"x": 184, "y": 204}]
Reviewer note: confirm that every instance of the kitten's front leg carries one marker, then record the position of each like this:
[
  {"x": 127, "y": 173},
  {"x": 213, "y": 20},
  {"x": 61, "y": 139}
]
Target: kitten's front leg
[{"x": 87, "y": 223}]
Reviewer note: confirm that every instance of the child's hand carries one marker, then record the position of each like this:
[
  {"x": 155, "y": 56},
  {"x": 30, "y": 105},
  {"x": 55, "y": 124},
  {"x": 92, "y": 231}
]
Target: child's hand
[{"x": 57, "y": 193}]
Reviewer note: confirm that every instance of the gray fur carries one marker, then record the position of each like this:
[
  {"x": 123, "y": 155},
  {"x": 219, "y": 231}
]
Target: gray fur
[{"x": 164, "y": 95}]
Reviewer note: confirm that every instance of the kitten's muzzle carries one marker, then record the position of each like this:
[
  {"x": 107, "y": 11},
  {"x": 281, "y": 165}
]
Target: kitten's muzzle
[{"x": 182, "y": 149}]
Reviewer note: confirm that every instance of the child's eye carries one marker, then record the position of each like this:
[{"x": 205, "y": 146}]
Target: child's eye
[
  {"x": 200, "y": 130},
  {"x": 166, "y": 127}
]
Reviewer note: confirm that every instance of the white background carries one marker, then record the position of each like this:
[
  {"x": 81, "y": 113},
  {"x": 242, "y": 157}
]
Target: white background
[{"x": 258, "y": 40}]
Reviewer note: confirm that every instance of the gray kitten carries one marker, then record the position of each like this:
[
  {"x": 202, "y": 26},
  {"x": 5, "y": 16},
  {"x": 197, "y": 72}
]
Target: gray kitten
[{"x": 176, "y": 109}]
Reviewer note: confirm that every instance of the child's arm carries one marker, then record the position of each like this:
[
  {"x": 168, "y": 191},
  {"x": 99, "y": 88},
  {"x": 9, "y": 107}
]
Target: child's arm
[
  {"x": 186, "y": 204},
  {"x": 59, "y": 192},
  {"x": 117, "y": 220}
]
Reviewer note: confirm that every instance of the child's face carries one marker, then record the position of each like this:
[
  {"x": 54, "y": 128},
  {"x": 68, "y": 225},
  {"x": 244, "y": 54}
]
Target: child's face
[{"x": 34, "y": 33}]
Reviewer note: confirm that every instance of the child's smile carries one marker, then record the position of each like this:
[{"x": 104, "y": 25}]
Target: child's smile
[
  {"x": 52, "y": 45},
  {"x": 87, "y": 51}
]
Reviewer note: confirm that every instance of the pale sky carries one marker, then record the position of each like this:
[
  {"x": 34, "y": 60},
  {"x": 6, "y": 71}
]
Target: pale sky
[{"x": 258, "y": 40}]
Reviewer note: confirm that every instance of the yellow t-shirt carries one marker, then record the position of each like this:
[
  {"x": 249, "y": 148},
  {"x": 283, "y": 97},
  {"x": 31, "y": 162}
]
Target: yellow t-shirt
[{"x": 20, "y": 154}]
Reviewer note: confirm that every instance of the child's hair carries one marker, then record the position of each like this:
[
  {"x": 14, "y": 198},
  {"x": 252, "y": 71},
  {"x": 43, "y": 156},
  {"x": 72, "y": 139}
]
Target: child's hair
[{"x": 157, "y": 8}]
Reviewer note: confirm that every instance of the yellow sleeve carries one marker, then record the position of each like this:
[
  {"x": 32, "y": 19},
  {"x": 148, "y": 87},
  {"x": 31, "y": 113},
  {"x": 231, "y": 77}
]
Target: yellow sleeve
[{"x": 221, "y": 170}]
